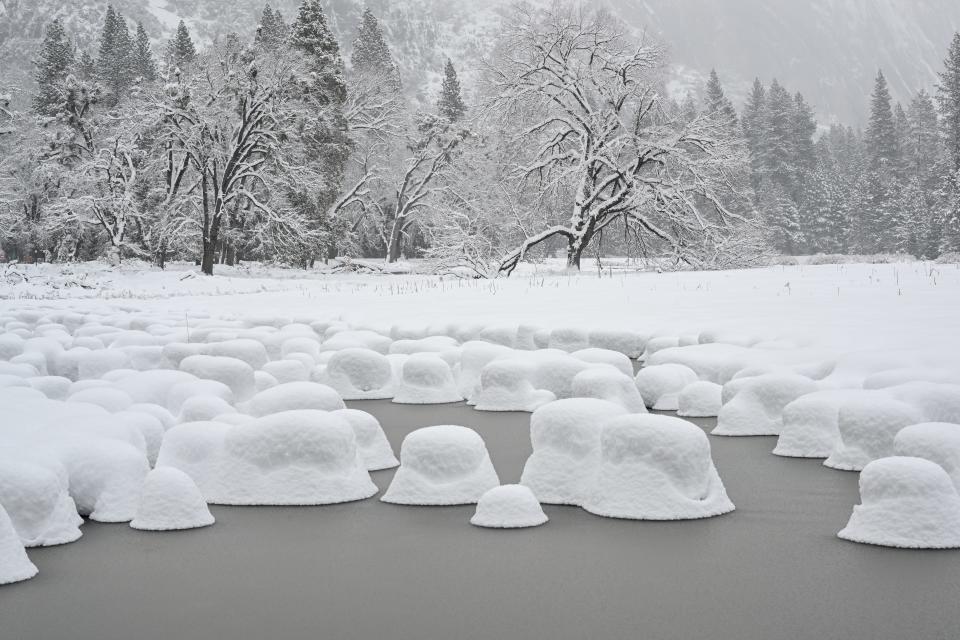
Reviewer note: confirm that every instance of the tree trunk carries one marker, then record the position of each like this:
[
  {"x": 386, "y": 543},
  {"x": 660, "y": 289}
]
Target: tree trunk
[
  {"x": 209, "y": 257},
  {"x": 396, "y": 244}
]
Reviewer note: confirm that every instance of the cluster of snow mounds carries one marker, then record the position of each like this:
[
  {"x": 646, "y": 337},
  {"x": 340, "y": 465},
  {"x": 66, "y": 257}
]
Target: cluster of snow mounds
[
  {"x": 905, "y": 502},
  {"x": 15, "y": 566},
  {"x": 170, "y": 501},
  {"x": 442, "y": 465},
  {"x": 656, "y": 468},
  {"x": 510, "y": 506},
  {"x": 594, "y": 454}
]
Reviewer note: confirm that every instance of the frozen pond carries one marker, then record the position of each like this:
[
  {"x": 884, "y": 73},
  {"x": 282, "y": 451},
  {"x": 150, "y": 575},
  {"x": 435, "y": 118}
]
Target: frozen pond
[{"x": 772, "y": 569}]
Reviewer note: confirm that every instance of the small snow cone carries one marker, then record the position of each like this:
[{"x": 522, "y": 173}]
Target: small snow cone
[
  {"x": 905, "y": 502},
  {"x": 171, "y": 501},
  {"x": 15, "y": 566},
  {"x": 511, "y": 506}
]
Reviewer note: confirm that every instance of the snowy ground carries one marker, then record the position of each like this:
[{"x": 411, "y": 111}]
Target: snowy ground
[{"x": 841, "y": 307}]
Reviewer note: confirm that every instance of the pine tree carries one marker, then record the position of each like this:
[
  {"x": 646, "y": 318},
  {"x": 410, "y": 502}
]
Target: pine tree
[
  {"x": 752, "y": 124},
  {"x": 717, "y": 103},
  {"x": 272, "y": 31},
  {"x": 922, "y": 150},
  {"x": 371, "y": 55},
  {"x": 181, "y": 51},
  {"x": 115, "y": 62},
  {"x": 882, "y": 130},
  {"x": 54, "y": 63},
  {"x": 688, "y": 109},
  {"x": 778, "y": 141},
  {"x": 948, "y": 97},
  {"x": 86, "y": 67},
  {"x": 450, "y": 106},
  {"x": 144, "y": 66},
  {"x": 311, "y": 35}
]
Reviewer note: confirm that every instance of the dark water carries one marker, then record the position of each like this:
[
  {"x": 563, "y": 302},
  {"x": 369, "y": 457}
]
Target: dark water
[{"x": 368, "y": 571}]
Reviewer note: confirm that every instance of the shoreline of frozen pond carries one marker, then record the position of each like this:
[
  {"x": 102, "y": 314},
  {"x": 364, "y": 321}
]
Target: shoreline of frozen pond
[{"x": 774, "y": 568}]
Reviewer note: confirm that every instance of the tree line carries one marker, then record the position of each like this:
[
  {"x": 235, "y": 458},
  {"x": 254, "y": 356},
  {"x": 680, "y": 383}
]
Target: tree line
[{"x": 277, "y": 149}]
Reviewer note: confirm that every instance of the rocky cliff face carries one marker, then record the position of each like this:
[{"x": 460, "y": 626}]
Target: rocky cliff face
[{"x": 828, "y": 49}]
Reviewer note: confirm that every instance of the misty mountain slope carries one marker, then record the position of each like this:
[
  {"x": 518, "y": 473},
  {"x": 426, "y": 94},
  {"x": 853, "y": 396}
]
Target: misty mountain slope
[{"x": 828, "y": 49}]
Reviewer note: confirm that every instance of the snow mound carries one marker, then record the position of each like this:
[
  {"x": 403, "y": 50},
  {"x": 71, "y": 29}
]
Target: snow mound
[
  {"x": 111, "y": 399},
  {"x": 54, "y": 387},
  {"x": 660, "y": 385},
  {"x": 569, "y": 339},
  {"x": 905, "y": 502},
  {"x": 604, "y": 356},
  {"x": 426, "y": 379},
  {"x": 628, "y": 343},
  {"x": 566, "y": 448},
  {"x": 510, "y": 506},
  {"x": 371, "y": 440},
  {"x": 358, "y": 339},
  {"x": 609, "y": 384},
  {"x": 701, "y": 399},
  {"x": 810, "y": 424},
  {"x": 555, "y": 371},
  {"x": 474, "y": 356},
  {"x": 294, "y": 396},
  {"x": 37, "y": 501},
  {"x": 183, "y": 392},
  {"x": 289, "y": 370},
  {"x": 895, "y": 377},
  {"x": 15, "y": 566},
  {"x": 105, "y": 477},
  {"x": 757, "y": 410},
  {"x": 170, "y": 501},
  {"x": 153, "y": 387},
  {"x": 360, "y": 374},
  {"x": 656, "y": 468},
  {"x": 203, "y": 408},
  {"x": 505, "y": 385},
  {"x": 432, "y": 344},
  {"x": 196, "y": 448},
  {"x": 250, "y": 351},
  {"x": 934, "y": 441},
  {"x": 301, "y": 457},
  {"x": 867, "y": 425},
  {"x": 442, "y": 465},
  {"x": 235, "y": 373},
  {"x": 936, "y": 402},
  {"x": 658, "y": 343}
]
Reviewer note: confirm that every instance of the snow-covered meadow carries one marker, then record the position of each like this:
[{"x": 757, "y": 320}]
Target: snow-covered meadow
[{"x": 143, "y": 396}]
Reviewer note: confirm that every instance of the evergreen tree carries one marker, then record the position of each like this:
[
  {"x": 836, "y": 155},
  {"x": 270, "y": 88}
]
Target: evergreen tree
[
  {"x": 882, "y": 130},
  {"x": 371, "y": 55},
  {"x": 86, "y": 68},
  {"x": 717, "y": 103},
  {"x": 450, "y": 105},
  {"x": 115, "y": 62},
  {"x": 311, "y": 35},
  {"x": 752, "y": 124},
  {"x": 778, "y": 140},
  {"x": 54, "y": 63},
  {"x": 272, "y": 31},
  {"x": 181, "y": 51},
  {"x": 144, "y": 66},
  {"x": 948, "y": 97},
  {"x": 688, "y": 109},
  {"x": 922, "y": 150}
]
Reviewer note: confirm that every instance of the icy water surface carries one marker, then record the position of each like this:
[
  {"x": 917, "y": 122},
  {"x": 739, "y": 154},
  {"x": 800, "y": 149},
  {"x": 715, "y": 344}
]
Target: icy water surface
[{"x": 368, "y": 571}]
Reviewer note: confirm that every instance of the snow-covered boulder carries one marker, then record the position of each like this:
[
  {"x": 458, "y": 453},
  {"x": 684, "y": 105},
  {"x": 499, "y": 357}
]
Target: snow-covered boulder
[
  {"x": 169, "y": 501},
  {"x": 235, "y": 373},
  {"x": 604, "y": 356},
  {"x": 505, "y": 385},
  {"x": 15, "y": 566},
  {"x": 700, "y": 399},
  {"x": 301, "y": 457},
  {"x": 810, "y": 424},
  {"x": 290, "y": 370},
  {"x": 360, "y": 374},
  {"x": 442, "y": 465},
  {"x": 250, "y": 351},
  {"x": 196, "y": 448},
  {"x": 426, "y": 379},
  {"x": 555, "y": 371},
  {"x": 294, "y": 396},
  {"x": 35, "y": 494},
  {"x": 371, "y": 440},
  {"x": 934, "y": 441},
  {"x": 868, "y": 425},
  {"x": 656, "y": 468},
  {"x": 905, "y": 502},
  {"x": 510, "y": 506},
  {"x": 105, "y": 477},
  {"x": 182, "y": 392},
  {"x": 660, "y": 385},
  {"x": 605, "y": 383},
  {"x": 474, "y": 356},
  {"x": 203, "y": 408},
  {"x": 566, "y": 448},
  {"x": 629, "y": 343},
  {"x": 569, "y": 339},
  {"x": 757, "y": 410}
]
